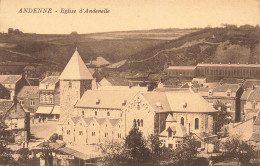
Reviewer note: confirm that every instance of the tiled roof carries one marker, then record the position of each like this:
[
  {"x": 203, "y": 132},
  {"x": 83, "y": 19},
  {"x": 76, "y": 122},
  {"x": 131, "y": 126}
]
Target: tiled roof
[
  {"x": 114, "y": 121},
  {"x": 112, "y": 99},
  {"x": 88, "y": 120},
  {"x": 9, "y": 79},
  {"x": 225, "y": 87},
  {"x": 181, "y": 68},
  {"x": 29, "y": 92},
  {"x": 254, "y": 95},
  {"x": 5, "y": 106},
  {"x": 158, "y": 101},
  {"x": 101, "y": 120},
  {"x": 228, "y": 65},
  {"x": 76, "y": 69},
  {"x": 188, "y": 102},
  {"x": 75, "y": 119},
  {"x": 50, "y": 80},
  {"x": 114, "y": 81}
]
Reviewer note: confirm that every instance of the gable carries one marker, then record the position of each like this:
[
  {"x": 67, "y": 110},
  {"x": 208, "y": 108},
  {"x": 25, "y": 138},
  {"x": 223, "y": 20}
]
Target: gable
[{"x": 15, "y": 112}]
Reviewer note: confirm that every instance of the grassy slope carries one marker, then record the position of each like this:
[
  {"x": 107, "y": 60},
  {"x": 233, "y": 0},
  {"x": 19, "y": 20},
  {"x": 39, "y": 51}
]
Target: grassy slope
[{"x": 208, "y": 45}]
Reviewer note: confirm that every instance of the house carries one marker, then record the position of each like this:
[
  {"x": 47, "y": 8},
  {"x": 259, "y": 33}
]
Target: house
[
  {"x": 28, "y": 97},
  {"x": 14, "y": 83},
  {"x": 98, "y": 63},
  {"x": 251, "y": 102},
  {"x": 17, "y": 120},
  {"x": 97, "y": 117},
  {"x": 229, "y": 94},
  {"x": 4, "y": 92},
  {"x": 114, "y": 81},
  {"x": 115, "y": 66},
  {"x": 49, "y": 95}
]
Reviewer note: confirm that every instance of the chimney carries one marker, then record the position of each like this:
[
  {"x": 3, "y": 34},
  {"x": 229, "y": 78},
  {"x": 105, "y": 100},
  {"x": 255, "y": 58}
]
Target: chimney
[{"x": 15, "y": 100}]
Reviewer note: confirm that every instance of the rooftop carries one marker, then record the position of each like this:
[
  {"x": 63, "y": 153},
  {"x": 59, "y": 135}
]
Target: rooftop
[
  {"x": 29, "y": 92},
  {"x": 181, "y": 68},
  {"x": 9, "y": 79},
  {"x": 112, "y": 99},
  {"x": 117, "y": 64},
  {"x": 76, "y": 69}
]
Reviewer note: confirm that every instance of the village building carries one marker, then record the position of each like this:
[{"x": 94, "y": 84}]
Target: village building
[
  {"x": 250, "y": 102},
  {"x": 49, "y": 95},
  {"x": 215, "y": 71},
  {"x": 4, "y": 93},
  {"x": 228, "y": 94},
  {"x": 94, "y": 116},
  {"x": 14, "y": 83},
  {"x": 28, "y": 97},
  {"x": 17, "y": 121}
]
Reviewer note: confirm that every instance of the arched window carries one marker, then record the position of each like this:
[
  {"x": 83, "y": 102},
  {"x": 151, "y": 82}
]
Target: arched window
[
  {"x": 135, "y": 122},
  {"x": 138, "y": 122},
  {"x": 197, "y": 123},
  {"x": 182, "y": 121},
  {"x": 142, "y": 122}
]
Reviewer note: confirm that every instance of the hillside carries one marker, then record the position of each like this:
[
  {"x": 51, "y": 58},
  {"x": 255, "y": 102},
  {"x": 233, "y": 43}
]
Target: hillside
[
  {"x": 57, "y": 49},
  {"x": 216, "y": 45}
]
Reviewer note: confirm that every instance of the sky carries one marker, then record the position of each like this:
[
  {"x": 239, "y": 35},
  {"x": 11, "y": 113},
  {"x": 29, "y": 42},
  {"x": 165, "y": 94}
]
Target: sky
[{"x": 126, "y": 15}]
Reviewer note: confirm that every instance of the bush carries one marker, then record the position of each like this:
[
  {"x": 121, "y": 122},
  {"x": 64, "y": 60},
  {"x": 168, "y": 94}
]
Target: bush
[{"x": 54, "y": 137}]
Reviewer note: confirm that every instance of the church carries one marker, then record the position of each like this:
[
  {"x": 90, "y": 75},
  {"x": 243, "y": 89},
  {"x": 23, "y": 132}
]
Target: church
[{"x": 89, "y": 115}]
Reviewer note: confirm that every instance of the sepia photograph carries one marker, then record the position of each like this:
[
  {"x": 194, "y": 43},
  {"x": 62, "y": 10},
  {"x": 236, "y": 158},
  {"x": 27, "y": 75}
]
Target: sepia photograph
[{"x": 129, "y": 83}]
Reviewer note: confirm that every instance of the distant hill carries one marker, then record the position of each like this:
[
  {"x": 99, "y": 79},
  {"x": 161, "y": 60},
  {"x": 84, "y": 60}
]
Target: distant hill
[
  {"x": 216, "y": 45},
  {"x": 57, "y": 49},
  {"x": 147, "y": 50}
]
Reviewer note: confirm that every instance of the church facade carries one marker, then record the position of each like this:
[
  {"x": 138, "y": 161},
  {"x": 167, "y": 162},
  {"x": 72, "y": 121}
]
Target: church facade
[{"x": 93, "y": 116}]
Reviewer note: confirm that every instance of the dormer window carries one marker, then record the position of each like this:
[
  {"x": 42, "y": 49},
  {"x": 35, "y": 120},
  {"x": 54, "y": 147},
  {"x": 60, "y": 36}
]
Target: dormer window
[
  {"x": 210, "y": 93},
  {"x": 185, "y": 105},
  {"x": 228, "y": 93},
  {"x": 97, "y": 101},
  {"x": 124, "y": 102}
]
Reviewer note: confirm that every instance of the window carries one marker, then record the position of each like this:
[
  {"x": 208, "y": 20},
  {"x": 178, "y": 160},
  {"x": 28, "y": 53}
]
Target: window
[
  {"x": 182, "y": 121},
  {"x": 134, "y": 122},
  {"x": 119, "y": 135},
  {"x": 228, "y": 93},
  {"x": 210, "y": 93},
  {"x": 68, "y": 123},
  {"x": 42, "y": 99},
  {"x": 68, "y": 132},
  {"x": 80, "y": 132},
  {"x": 108, "y": 113},
  {"x": 196, "y": 123},
  {"x": 70, "y": 84},
  {"x": 177, "y": 143},
  {"x": 170, "y": 146},
  {"x": 83, "y": 113},
  {"x": 93, "y": 133},
  {"x": 106, "y": 134},
  {"x": 21, "y": 102},
  {"x": 95, "y": 113},
  {"x": 138, "y": 122},
  {"x": 142, "y": 122},
  {"x": 254, "y": 104},
  {"x": 138, "y": 107},
  {"x": 46, "y": 86},
  {"x": 32, "y": 103},
  {"x": 51, "y": 98}
]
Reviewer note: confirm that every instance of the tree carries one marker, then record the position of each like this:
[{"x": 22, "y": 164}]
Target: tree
[
  {"x": 222, "y": 116},
  {"x": 155, "y": 148},
  {"x": 185, "y": 151},
  {"x": 239, "y": 149},
  {"x": 134, "y": 151},
  {"x": 114, "y": 154},
  {"x": 5, "y": 153},
  {"x": 137, "y": 147}
]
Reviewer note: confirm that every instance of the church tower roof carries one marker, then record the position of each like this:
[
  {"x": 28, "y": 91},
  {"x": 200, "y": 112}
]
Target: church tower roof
[{"x": 76, "y": 69}]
